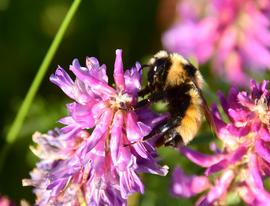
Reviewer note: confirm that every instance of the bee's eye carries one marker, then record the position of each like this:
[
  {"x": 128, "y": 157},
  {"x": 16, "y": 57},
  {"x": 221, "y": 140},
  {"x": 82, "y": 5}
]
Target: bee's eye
[
  {"x": 160, "y": 64},
  {"x": 159, "y": 70}
]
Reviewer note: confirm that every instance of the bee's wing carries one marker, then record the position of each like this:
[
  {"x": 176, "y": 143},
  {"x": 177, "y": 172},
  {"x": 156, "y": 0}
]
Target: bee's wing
[{"x": 207, "y": 112}]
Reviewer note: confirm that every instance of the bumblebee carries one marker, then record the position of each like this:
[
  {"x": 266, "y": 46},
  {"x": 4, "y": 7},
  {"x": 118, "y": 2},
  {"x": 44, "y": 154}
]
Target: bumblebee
[{"x": 173, "y": 79}]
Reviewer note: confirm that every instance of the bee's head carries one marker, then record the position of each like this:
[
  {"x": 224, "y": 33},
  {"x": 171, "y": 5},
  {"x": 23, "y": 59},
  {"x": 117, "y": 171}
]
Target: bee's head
[
  {"x": 170, "y": 70},
  {"x": 158, "y": 70}
]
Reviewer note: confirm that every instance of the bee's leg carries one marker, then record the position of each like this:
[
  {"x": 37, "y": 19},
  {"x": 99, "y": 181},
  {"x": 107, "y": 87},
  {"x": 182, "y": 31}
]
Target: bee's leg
[
  {"x": 144, "y": 92},
  {"x": 154, "y": 97},
  {"x": 163, "y": 128},
  {"x": 172, "y": 138},
  {"x": 142, "y": 103}
]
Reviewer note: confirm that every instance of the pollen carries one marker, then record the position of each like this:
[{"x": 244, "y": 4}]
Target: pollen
[
  {"x": 262, "y": 110},
  {"x": 120, "y": 101}
]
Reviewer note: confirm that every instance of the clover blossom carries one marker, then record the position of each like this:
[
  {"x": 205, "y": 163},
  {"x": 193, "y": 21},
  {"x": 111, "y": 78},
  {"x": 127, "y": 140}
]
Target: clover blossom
[
  {"x": 243, "y": 162},
  {"x": 101, "y": 167},
  {"x": 233, "y": 34}
]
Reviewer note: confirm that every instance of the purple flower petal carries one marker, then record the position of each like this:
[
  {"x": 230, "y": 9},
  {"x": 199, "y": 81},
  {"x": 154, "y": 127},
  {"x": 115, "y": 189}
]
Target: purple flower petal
[
  {"x": 217, "y": 167},
  {"x": 150, "y": 165},
  {"x": 262, "y": 149},
  {"x": 98, "y": 87},
  {"x": 63, "y": 80},
  {"x": 254, "y": 46},
  {"x": 100, "y": 129},
  {"x": 149, "y": 119},
  {"x": 255, "y": 178},
  {"x": 219, "y": 124},
  {"x": 251, "y": 198},
  {"x": 255, "y": 181},
  {"x": 264, "y": 167},
  {"x": 69, "y": 132},
  {"x": 220, "y": 127},
  {"x": 229, "y": 159},
  {"x": 125, "y": 159},
  {"x": 82, "y": 115},
  {"x": 134, "y": 134},
  {"x": 98, "y": 109},
  {"x": 119, "y": 71},
  {"x": 200, "y": 158},
  {"x": 133, "y": 79},
  {"x": 234, "y": 69},
  {"x": 187, "y": 186},
  {"x": 133, "y": 131},
  {"x": 264, "y": 134},
  {"x": 238, "y": 131},
  {"x": 218, "y": 190},
  {"x": 264, "y": 85},
  {"x": 130, "y": 183},
  {"x": 232, "y": 98},
  {"x": 245, "y": 100},
  {"x": 99, "y": 72},
  {"x": 116, "y": 135},
  {"x": 255, "y": 90},
  {"x": 239, "y": 116},
  {"x": 141, "y": 150}
]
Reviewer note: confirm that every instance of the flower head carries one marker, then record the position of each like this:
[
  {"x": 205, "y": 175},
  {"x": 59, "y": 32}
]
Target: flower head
[
  {"x": 96, "y": 168},
  {"x": 233, "y": 34},
  {"x": 244, "y": 160}
]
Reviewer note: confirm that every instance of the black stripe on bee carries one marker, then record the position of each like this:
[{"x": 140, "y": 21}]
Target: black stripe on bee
[
  {"x": 190, "y": 69},
  {"x": 179, "y": 99}
]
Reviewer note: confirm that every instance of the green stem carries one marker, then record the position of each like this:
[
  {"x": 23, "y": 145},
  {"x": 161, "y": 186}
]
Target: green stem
[{"x": 18, "y": 122}]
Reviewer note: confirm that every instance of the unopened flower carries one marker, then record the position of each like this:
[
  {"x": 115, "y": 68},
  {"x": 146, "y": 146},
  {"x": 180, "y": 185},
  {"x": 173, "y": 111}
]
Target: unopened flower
[
  {"x": 101, "y": 167},
  {"x": 233, "y": 34},
  {"x": 243, "y": 163}
]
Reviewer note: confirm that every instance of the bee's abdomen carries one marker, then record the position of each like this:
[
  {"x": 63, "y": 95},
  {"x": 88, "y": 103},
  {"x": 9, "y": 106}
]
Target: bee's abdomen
[
  {"x": 190, "y": 123},
  {"x": 179, "y": 99},
  {"x": 184, "y": 101}
]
